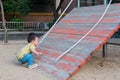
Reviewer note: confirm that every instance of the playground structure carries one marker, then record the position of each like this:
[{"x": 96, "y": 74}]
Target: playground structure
[{"x": 68, "y": 31}]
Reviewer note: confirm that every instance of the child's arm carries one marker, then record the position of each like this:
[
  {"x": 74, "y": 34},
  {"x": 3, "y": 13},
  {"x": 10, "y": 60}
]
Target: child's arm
[{"x": 35, "y": 52}]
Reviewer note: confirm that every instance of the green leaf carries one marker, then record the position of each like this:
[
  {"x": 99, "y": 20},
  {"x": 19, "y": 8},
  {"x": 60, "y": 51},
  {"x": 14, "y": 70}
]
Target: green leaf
[{"x": 17, "y": 6}]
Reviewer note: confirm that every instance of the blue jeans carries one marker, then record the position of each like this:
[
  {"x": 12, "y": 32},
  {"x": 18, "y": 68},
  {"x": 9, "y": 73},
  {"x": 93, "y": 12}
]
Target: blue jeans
[{"x": 28, "y": 58}]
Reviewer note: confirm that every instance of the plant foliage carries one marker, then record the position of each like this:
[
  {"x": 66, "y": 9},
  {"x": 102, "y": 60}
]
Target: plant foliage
[{"x": 16, "y": 6}]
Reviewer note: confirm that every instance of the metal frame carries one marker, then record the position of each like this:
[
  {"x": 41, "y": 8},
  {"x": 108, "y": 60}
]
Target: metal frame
[
  {"x": 105, "y": 2},
  {"x": 78, "y": 3},
  {"x": 105, "y": 48}
]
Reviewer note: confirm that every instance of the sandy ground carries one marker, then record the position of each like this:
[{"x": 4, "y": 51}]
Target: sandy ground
[
  {"x": 97, "y": 68},
  {"x": 11, "y": 69}
]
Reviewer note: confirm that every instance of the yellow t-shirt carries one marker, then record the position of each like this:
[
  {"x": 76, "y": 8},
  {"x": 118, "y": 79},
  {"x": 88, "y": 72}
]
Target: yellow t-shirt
[{"x": 25, "y": 50}]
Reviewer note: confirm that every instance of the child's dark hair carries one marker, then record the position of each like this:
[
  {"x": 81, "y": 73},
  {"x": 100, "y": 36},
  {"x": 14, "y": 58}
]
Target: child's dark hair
[{"x": 31, "y": 37}]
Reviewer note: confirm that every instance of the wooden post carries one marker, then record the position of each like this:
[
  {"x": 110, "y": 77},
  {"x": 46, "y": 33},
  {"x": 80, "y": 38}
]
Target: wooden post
[
  {"x": 104, "y": 50},
  {"x": 3, "y": 22}
]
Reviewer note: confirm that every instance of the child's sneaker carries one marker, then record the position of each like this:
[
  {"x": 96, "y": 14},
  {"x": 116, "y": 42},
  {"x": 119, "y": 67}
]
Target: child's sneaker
[{"x": 33, "y": 66}]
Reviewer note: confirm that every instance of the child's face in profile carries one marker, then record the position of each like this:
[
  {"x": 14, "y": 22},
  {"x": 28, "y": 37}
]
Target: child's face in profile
[{"x": 35, "y": 42}]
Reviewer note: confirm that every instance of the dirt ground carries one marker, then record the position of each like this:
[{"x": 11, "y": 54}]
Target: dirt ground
[{"x": 97, "y": 68}]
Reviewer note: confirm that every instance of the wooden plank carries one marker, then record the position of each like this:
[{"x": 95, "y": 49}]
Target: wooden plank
[
  {"x": 81, "y": 32},
  {"x": 92, "y": 8},
  {"x": 96, "y": 8},
  {"x": 84, "y": 49},
  {"x": 66, "y": 61},
  {"x": 56, "y": 45},
  {"x": 68, "y": 38},
  {"x": 94, "y": 14},
  {"x": 65, "y": 43},
  {"x": 83, "y": 14},
  {"x": 99, "y": 10},
  {"x": 86, "y": 26},
  {"x": 60, "y": 74},
  {"x": 91, "y": 20},
  {"x": 50, "y": 56}
]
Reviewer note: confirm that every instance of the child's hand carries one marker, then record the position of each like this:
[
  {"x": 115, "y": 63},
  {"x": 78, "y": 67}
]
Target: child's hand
[{"x": 39, "y": 53}]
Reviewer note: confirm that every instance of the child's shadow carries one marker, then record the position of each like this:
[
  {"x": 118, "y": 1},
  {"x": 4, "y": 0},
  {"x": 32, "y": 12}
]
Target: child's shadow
[{"x": 16, "y": 63}]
